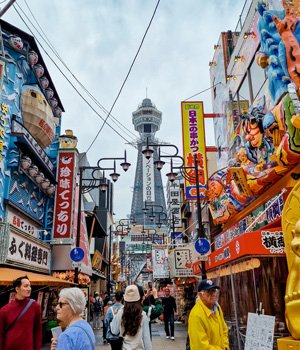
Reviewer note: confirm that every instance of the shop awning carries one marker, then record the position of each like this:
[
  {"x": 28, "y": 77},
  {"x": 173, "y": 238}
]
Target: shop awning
[{"x": 7, "y": 275}]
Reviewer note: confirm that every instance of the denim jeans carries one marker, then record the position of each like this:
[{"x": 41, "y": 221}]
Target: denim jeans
[
  {"x": 169, "y": 319},
  {"x": 96, "y": 320}
]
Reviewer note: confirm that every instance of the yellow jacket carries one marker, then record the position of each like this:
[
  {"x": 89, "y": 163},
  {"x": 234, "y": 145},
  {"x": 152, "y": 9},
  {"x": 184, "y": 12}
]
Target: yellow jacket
[{"x": 207, "y": 330}]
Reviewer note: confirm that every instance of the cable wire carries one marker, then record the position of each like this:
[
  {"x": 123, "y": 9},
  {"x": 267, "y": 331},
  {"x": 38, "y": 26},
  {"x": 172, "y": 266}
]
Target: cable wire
[
  {"x": 124, "y": 82},
  {"x": 51, "y": 46},
  {"x": 104, "y": 119}
]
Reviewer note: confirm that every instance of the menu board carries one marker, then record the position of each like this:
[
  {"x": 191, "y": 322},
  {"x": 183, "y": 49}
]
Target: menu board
[{"x": 260, "y": 332}]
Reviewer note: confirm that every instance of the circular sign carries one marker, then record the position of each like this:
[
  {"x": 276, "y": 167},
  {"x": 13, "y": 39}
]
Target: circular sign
[
  {"x": 77, "y": 254},
  {"x": 202, "y": 245}
]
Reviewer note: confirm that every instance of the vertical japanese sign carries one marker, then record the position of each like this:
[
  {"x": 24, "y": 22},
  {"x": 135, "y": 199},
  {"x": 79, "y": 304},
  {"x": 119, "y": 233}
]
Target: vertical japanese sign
[
  {"x": 148, "y": 180},
  {"x": 64, "y": 199},
  {"x": 193, "y": 137},
  {"x": 174, "y": 202}
]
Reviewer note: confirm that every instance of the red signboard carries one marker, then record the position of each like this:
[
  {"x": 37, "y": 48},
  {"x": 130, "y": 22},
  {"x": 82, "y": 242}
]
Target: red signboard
[
  {"x": 196, "y": 267},
  {"x": 260, "y": 242},
  {"x": 63, "y": 213}
]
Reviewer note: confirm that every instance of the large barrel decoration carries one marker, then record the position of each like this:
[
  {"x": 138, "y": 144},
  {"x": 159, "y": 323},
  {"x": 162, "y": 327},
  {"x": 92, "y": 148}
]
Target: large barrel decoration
[{"x": 37, "y": 115}]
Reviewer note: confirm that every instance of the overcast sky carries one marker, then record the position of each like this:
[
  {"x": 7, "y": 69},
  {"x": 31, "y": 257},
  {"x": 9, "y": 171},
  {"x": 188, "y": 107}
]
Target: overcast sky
[{"x": 98, "y": 39}]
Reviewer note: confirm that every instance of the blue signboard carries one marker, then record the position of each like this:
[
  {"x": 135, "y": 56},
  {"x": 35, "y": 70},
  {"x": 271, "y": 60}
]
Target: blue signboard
[
  {"x": 202, "y": 245},
  {"x": 77, "y": 254}
]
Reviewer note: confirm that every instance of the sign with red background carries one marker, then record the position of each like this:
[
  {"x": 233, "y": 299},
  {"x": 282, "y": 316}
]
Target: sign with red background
[
  {"x": 260, "y": 242},
  {"x": 64, "y": 207}
]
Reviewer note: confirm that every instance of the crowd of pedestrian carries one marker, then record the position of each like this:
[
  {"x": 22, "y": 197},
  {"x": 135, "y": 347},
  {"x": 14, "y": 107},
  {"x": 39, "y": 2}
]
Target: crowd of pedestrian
[{"x": 126, "y": 320}]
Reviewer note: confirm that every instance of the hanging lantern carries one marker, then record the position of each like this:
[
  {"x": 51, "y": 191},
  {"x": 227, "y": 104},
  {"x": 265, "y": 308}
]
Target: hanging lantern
[
  {"x": 33, "y": 58},
  {"x": 39, "y": 70},
  {"x": 39, "y": 177},
  {"x": 44, "y": 83},
  {"x": 25, "y": 162},
  {"x": 33, "y": 170}
]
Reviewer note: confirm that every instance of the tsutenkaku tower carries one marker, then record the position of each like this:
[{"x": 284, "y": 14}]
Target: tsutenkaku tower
[{"x": 147, "y": 183}]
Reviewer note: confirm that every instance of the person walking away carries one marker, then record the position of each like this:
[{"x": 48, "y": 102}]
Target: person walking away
[
  {"x": 91, "y": 301},
  {"x": 169, "y": 305},
  {"x": 98, "y": 305},
  {"x": 20, "y": 320},
  {"x": 108, "y": 305},
  {"x": 206, "y": 327},
  {"x": 114, "y": 340},
  {"x": 78, "y": 334},
  {"x": 132, "y": 323},
  {"x": 151, "y": 304}
]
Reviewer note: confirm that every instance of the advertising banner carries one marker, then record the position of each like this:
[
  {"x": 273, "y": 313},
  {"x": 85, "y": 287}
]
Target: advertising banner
[
  {"x": 193, "y": 135},
  {"x": 64, "y": 199},
  {"x": 160, "y": 261},
  {"x": 23, "y": 250},
  {"x": 174, "y": 208},
  {"x": 148, "y": 180},
  {"x": 262, "y": 242}
]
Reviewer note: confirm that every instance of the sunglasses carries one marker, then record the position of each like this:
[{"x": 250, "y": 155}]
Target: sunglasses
[{"x": 60, "y": 304}]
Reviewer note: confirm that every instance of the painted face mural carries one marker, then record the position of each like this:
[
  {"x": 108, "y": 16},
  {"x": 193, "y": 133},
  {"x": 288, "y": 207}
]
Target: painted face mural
[{"x": 270, "y": 139}]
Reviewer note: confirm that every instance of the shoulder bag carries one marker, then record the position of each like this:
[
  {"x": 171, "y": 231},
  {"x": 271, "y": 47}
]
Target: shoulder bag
[{"x": 19, "y": 316}]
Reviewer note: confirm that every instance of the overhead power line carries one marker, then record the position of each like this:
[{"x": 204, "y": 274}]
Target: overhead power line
[
  {"x": 123, "y": 84},
  {"x": 64, "y": 75}
]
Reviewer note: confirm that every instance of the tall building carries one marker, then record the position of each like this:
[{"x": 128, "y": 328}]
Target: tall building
[{"x": 148, "y": 187}]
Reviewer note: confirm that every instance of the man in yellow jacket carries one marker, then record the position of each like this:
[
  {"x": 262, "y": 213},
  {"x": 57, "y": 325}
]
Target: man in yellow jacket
[{"x": 207, "y": 329}]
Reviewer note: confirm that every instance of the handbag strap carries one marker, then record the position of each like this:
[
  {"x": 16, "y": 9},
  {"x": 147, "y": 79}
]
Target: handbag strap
[
  {"x": 90, "y": 339},
  {"x": 20, "y": 315}
]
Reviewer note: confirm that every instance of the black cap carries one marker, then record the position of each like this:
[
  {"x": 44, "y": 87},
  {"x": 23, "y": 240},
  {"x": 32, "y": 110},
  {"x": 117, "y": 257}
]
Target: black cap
[{"x": 207, "y": 285}]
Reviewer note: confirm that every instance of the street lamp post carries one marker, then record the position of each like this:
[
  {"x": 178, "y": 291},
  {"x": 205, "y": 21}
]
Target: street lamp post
[
  {"x": 148, "y": 150},
  {"x": 92, "y": 182}
]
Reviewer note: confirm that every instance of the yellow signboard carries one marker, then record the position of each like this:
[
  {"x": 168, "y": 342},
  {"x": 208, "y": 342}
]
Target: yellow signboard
[{"x": 193, "y": 136}]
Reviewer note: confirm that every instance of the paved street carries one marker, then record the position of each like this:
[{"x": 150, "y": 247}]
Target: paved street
[{"x": 159, "y": 340}]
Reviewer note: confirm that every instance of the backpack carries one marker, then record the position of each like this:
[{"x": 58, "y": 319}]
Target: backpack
[
  {"x": 97, "y": 305},
  {"x": 114, "y": 323}
]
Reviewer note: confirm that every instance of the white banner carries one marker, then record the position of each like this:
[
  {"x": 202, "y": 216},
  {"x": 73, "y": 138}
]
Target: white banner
[
  {"x": 160, "y": 261},
  {"x": 148, "y": 180},
  {"x": 173, "y": 194},
  {"x": 28, "y": 252},
  {"x": 17, "y": 220}
]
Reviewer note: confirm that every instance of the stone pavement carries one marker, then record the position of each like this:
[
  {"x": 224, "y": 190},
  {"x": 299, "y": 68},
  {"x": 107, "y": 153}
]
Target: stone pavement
[{"x": 159, "y": 340}]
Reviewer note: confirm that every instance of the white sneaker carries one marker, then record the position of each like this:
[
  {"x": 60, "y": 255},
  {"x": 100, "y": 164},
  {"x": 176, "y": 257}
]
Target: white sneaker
[
  {"x": 172, "y": 338},
  {"x": 167, "y": 337}
]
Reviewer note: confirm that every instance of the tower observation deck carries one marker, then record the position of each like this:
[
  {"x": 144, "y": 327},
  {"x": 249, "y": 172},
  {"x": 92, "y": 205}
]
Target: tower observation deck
[{"x": 148, "y": 183}]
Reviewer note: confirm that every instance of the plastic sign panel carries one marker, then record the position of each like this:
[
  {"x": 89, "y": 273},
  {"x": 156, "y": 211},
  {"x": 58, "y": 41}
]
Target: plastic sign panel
[
  {"x": 148, "y": 180},
  {"x": 193, "y": 135},
  {"x": 202, "y": 246},
  {"x": 77, "y": 254},
  {"x": 64, "y": 199}
]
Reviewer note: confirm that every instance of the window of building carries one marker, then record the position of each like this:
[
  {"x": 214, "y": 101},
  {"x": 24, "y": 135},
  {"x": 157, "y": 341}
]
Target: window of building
[{"x": 147, "y": 128}]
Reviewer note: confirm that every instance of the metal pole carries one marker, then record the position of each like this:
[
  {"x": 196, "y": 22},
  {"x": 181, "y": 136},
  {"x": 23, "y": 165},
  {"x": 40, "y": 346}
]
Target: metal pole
[
  {"x": 6, "y": 7},
  {"x": 201, "y": 233},
  {"x": 235, "y": 312},
  {"x": 78, "y": 220},
  {"x": 109, "y": 262}
]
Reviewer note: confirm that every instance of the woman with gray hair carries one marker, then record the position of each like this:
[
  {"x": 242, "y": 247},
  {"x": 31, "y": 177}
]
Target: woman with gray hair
[{"x": 78, "y": 334}]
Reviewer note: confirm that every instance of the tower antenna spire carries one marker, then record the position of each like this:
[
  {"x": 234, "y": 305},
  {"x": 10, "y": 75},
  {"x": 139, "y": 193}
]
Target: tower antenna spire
[{"x": 146, "y": 92}]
